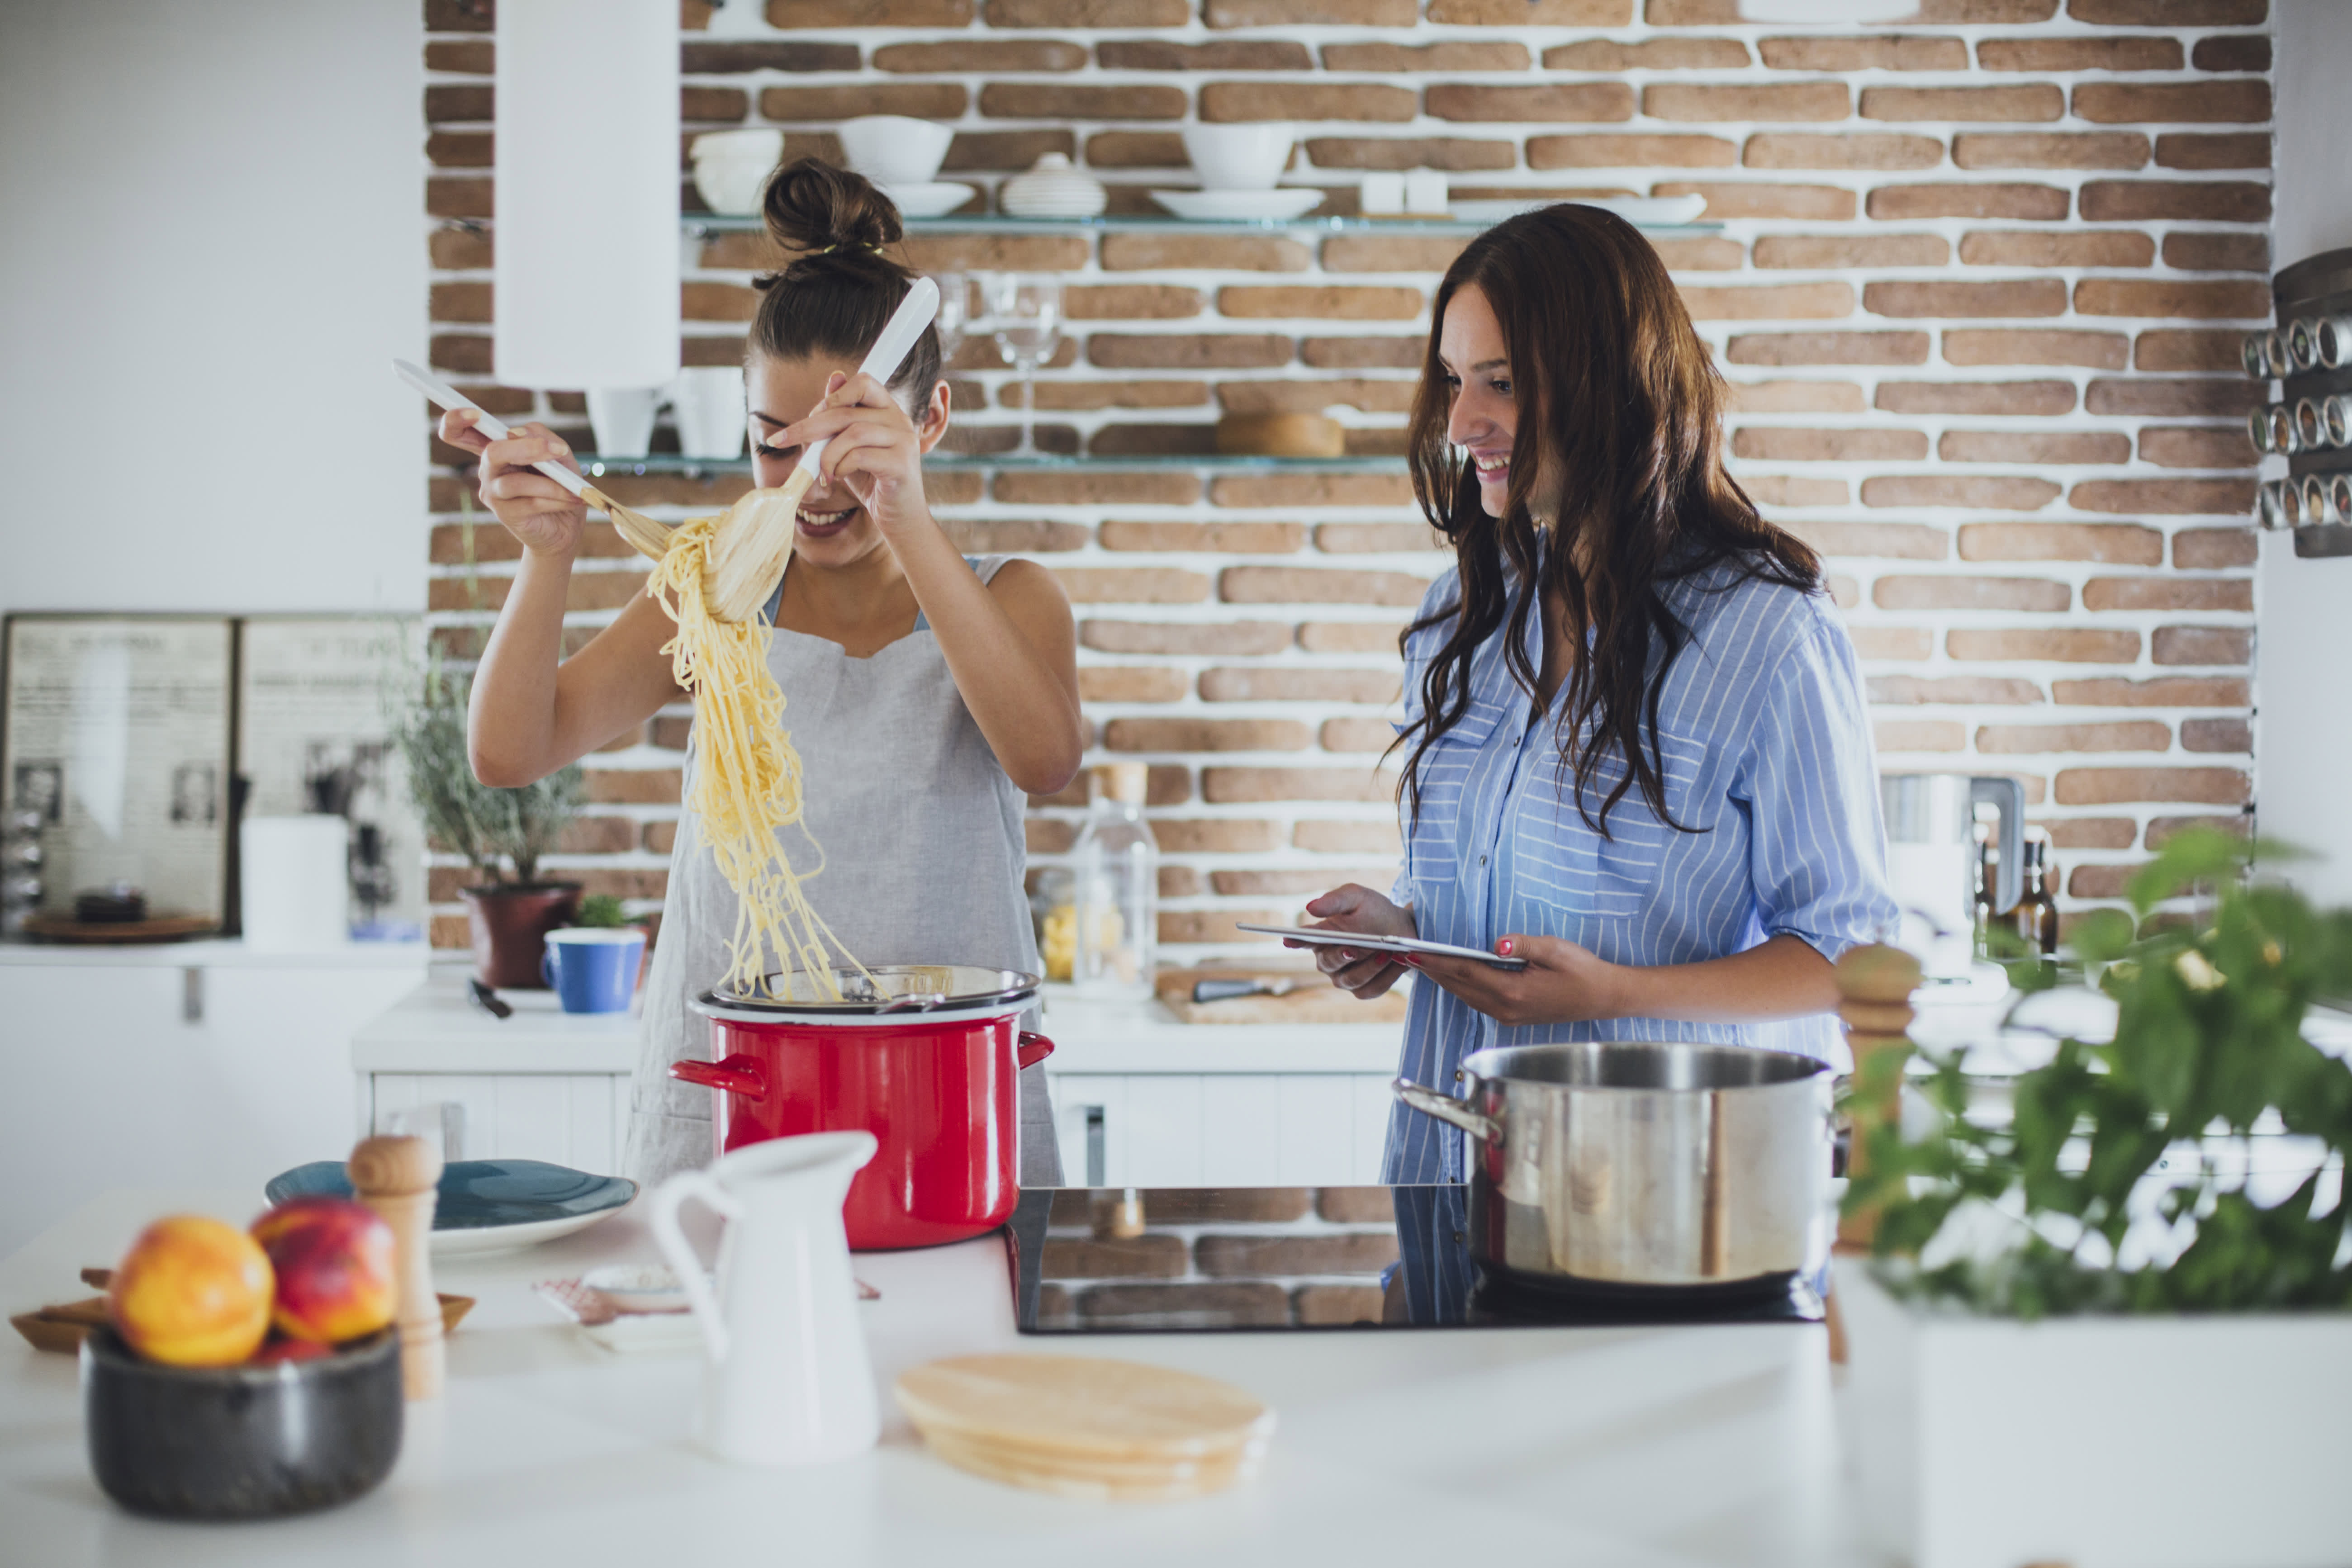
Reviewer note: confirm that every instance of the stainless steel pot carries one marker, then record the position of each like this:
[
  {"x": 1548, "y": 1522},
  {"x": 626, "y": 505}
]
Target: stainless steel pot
[{"x": 1612, "y": 1164}]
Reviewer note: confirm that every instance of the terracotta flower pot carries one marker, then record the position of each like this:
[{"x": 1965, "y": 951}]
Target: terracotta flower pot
[{"x": 509, "y": 923}]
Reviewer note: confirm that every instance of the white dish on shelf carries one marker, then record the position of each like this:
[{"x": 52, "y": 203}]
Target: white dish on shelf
[
  {"x": 1658, "y": 210},
  {"x": 935, "y": 198},
  {"x": 1230, "y": 205}
]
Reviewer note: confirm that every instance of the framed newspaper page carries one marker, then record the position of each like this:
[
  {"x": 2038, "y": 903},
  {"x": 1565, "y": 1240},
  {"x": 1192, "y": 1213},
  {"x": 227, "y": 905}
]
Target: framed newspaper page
[
  {"x": 116, "y": 736},
  {"x": 314, "y": 718}
]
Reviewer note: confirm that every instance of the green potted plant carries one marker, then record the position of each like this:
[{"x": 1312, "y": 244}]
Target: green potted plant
[
  {"x": 2112, "y": 1322},
  {"x": 503, "y": 833}
]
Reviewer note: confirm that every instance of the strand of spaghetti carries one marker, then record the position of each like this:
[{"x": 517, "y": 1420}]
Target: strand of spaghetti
[{"x": 747, "y": 780}]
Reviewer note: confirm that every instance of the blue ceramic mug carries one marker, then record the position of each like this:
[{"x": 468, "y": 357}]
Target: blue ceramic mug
[{"x": 593, "y": 968}]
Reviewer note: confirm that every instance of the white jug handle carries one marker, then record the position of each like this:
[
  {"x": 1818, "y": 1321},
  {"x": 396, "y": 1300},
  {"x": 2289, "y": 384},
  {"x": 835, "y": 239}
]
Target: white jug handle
[{"x": 661, "y": 1218}]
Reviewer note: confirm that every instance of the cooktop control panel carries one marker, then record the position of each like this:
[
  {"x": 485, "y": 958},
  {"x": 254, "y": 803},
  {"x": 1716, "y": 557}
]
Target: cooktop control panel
[{"x": 1197, "y": 1260}]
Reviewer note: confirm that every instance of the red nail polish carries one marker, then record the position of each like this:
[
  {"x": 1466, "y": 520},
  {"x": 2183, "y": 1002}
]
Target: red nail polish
[{"x": 1506, "y": 947}]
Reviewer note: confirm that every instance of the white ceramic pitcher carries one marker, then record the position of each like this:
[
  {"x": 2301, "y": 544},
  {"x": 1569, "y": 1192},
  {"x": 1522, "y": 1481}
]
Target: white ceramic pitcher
[{"x": 785, "y": 1379}]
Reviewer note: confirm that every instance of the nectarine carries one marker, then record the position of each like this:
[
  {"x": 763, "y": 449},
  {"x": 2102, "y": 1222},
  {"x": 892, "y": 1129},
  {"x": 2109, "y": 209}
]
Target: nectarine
[
  {"x": 192, "y": 1291},
  {"x": 334, "y": 1266}
]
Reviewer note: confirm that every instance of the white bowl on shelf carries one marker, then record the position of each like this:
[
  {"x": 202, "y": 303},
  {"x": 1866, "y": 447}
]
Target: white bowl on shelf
[
  {"x": 894, "y": 150},
  {"x": 732, "y": 187},
  {"x": 1241, "y": 205}
]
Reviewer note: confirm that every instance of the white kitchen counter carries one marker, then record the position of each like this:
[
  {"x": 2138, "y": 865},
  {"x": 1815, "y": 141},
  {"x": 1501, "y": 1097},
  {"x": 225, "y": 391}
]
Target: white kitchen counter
[
  {"x": 436, "y": 1029},
  {"x": 210, "y": 952},
  {"x": 1665, "y": 1447}
]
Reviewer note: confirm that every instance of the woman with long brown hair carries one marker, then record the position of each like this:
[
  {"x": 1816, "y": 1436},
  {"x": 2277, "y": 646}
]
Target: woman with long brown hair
[{"x": 1636, "y": 750}]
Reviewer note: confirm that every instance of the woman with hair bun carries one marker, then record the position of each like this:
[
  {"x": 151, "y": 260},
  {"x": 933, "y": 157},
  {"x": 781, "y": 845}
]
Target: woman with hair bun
[
  {"x": 926, "y": 691},
  {"x": 1637, "y": 750}
]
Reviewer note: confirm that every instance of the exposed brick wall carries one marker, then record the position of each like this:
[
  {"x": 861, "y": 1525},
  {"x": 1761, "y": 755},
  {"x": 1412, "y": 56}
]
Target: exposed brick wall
[{"x": 1979, "y": 300}]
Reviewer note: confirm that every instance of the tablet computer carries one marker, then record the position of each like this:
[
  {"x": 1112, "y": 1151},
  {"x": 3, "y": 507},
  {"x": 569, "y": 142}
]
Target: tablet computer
[{"x": 1365, "y": 941}]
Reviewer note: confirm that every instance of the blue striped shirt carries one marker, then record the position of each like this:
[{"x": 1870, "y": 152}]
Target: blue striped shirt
[{"x": 1766, "y": 748}]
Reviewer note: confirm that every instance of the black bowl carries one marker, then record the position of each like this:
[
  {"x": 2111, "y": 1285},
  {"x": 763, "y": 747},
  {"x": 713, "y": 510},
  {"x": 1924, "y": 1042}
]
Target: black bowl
[{"x": 240, "y": 1442}]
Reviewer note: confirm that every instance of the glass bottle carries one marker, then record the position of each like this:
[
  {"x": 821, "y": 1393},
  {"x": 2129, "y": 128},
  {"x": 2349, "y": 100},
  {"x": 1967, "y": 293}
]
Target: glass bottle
[
  {"x": 1988, "y": 894},
  {"x": 1116, "y": 865},
  {"x": 2036, "y": 914}
]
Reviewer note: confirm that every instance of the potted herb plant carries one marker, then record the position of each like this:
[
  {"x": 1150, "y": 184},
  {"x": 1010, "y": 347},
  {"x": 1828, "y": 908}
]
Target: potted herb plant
[
  {"x": 2114, "y": 1324},
  {"x": 503, "y": 833}
]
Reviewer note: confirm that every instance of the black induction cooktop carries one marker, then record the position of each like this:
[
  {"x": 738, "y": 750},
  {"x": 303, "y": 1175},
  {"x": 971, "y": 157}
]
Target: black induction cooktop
[{"x": 1203, "y": 1259}]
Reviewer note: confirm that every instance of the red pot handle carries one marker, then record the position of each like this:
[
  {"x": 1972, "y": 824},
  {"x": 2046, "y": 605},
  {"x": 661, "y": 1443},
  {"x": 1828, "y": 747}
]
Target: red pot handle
[
  {"x": 1032, "y": 1048},
  {"x": 736, "y": 1075}
]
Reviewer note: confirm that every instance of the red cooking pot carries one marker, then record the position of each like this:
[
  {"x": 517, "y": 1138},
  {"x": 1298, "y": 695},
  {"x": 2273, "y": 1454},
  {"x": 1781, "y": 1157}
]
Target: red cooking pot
[{"x": 923, "y": 1055}]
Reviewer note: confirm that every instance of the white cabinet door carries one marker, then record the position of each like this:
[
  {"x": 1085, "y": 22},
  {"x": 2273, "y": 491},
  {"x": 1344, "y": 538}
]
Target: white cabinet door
[
  {"x": 107, "y": 1081},
  {"x": 564, "y": 1118},
  {"x": 1226, "y": 1130}
]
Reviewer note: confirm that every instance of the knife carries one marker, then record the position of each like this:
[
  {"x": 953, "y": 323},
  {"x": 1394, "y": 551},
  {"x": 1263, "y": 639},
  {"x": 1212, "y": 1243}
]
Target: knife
[
  {"x": 1230, "y": 990},
  {"x": 488, "y": 1000}
]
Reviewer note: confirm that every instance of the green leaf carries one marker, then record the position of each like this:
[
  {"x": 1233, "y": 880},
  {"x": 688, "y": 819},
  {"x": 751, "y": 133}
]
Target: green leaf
[{"x": 2102, "y": 936}]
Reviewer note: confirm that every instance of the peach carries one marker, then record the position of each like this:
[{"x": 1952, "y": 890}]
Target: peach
[
  {"x": 192, "y": 1291},
  {"x": 334, "y": 1267}
]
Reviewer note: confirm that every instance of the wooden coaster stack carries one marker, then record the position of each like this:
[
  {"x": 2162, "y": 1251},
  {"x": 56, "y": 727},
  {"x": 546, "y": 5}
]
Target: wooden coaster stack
[{"x": 1087, "y": 1427}]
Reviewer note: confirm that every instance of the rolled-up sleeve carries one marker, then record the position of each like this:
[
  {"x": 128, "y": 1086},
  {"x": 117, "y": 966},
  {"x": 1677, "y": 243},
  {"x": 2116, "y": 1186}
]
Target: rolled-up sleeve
[{"x": 1818, "y": 849}]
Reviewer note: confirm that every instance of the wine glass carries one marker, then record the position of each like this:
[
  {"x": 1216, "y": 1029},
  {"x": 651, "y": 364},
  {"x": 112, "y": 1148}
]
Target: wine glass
[{"x": 1023, "y": 311}]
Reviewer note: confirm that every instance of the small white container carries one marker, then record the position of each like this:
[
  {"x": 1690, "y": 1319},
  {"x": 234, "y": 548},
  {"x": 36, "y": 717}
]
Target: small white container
[
  {"x": 732, "y": 187},
  {"x": 1425, "y": 193},
  {"x": 894, "y": 150},
  {"x": 1249, "y": 157},
  {"x": 708, "y": 403},
  {"x": 2104, "y": 1442},
  {"x": 622, "y": 419},
  {"x": 294, "y": 886},
  {"x": 1381, "y": 196}
]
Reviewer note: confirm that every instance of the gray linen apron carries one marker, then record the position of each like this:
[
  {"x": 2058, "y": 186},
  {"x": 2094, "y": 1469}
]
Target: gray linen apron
[{"x": 924, "y": 855}]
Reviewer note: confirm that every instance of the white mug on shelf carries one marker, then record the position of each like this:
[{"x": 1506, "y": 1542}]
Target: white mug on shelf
[
  {"x": 1425, "y": 193},
  {"x": 708, "y": 402},
  {"x": 1246, "y": 157},
  {"x": 1381, "y": 196},
  {"x": 622, "y": 419}
]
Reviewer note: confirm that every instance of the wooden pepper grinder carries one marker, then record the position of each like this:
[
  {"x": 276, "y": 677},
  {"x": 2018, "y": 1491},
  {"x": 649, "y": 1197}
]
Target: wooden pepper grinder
[
  {"x": 1875, "y": 986},
  {"x": 400, "y": 1179}
]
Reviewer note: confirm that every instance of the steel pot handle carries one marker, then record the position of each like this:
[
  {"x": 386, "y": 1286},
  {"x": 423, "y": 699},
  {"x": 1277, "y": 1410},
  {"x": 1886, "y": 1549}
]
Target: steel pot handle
[
  {"x": 1447, "y": 1109},
  {"x": 1032, "y": 1047},
  {"x": 739, "y": 1074}
]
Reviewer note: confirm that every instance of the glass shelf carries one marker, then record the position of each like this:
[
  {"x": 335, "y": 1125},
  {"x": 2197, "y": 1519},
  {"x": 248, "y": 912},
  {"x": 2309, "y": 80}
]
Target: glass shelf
[
  {"x": 1059, "y": 462},
  {"x": 700, "y": 224}
]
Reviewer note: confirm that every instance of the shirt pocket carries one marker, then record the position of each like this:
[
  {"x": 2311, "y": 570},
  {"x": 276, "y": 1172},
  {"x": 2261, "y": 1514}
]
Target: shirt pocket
[{"x": 1564, "y": 861}]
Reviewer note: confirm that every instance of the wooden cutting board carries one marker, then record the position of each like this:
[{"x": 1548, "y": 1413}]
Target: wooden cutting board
[
  {"x": 1314, "y": 1001},
  {"x": 1089, "y": 1408}
]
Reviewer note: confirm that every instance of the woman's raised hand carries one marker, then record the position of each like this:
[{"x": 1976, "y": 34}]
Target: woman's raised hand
[
  {"x": 537, "y": 510},
  {"x": 1352, "y": 907},
  {"x": 876, "y": 450}
]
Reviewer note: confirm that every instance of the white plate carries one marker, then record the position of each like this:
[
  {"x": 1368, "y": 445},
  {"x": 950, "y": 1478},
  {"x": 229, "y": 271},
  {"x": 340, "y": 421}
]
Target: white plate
[
  {"x": 1232, "y": 205},
  {"x": 937, "y": 199},
  {"x": 507, "y": 1238},
  {"x": 1319, "y": 937},
  {"x": 1632, "y": 209}
]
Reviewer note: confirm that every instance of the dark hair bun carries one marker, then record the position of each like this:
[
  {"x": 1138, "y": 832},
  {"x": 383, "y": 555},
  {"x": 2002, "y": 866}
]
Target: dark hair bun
[{"x": 814, "y": 207}]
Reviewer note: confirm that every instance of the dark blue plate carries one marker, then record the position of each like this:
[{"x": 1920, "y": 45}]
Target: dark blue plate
[{"x": 480, "y": 1194}]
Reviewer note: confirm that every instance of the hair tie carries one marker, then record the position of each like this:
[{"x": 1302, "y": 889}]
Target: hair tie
[{"x": 836, "y": 246}]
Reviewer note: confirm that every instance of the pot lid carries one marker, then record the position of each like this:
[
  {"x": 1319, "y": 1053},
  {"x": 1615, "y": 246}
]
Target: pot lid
[{"x": 892, "y": 988}]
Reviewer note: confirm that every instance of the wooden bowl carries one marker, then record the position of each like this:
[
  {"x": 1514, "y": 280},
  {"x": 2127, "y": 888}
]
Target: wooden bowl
[
  {"x": 240, "y": 1442},
  {"x": 1281, "y": 436}
]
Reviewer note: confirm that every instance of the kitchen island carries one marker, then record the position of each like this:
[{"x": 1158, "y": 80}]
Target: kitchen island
[{"x": 1667, "y": 1446}]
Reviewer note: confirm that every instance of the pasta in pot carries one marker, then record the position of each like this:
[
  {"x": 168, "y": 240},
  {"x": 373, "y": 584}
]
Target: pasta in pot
[{"x": 746, "y": 780}]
